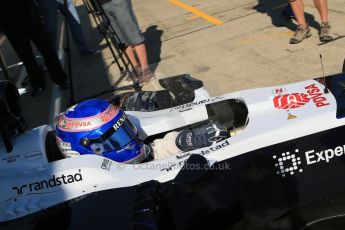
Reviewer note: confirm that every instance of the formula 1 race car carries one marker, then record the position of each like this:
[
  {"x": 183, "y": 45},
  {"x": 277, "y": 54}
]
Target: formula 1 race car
[{"x": 282, "y": 167}]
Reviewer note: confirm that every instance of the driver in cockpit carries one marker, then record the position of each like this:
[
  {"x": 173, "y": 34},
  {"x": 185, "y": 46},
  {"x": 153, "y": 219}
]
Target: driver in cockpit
[{"x": 98, "y": 127}]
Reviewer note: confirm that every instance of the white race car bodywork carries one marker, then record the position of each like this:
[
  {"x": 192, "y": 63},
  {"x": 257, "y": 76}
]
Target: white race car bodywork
[{"x": 30, "y": 183}]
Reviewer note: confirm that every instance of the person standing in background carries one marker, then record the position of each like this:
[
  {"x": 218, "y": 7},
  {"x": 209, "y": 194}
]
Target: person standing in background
[
  {"x": 49, "y": 10},
  {"x": 303, "y": 30},
  {"x": 124, "y": 22},
  {"x": 21, "y": 23}
]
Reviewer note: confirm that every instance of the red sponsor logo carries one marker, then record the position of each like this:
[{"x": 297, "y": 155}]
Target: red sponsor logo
[
  {"x": 315, "y": 93},
  {"x": 66, "y": 124},
  {"x": 290, "y": 101},
  {"x": 296, "y": 100}
]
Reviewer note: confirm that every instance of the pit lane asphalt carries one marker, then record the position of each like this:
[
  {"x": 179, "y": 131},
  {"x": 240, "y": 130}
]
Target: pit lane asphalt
[{"x": 229, "y": 45}]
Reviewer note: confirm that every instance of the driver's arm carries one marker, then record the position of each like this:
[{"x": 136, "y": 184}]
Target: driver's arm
[{"x": 175, "y": 143}]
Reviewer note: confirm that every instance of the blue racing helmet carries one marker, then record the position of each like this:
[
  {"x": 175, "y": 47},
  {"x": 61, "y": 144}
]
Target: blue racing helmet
[{"x": 97, "y": 127}]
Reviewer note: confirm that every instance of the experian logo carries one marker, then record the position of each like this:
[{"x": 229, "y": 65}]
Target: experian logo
[
  {"x": 289, "y": 164},
  {"x": 313, "y": 157}
]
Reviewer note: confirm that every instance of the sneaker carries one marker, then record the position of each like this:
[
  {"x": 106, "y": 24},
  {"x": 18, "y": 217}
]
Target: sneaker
[
  {"x": 325, "y": 32},
  {"x": 134, "y": 74},
  {"x": 204, "y": 136},
  {"x": 301, "y": 33},
  {"x": 146, "y": 76}
]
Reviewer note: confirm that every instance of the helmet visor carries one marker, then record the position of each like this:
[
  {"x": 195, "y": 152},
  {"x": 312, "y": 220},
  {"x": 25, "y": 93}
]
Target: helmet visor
[{"x": 118, "y": 136}]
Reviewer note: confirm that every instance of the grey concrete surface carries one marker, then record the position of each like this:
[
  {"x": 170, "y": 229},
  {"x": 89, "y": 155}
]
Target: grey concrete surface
[{"x": 250, "y": 49}]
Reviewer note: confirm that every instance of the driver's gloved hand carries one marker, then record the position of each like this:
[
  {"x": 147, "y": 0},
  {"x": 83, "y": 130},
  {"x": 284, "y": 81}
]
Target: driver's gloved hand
[{"x": 203, "y": 136}]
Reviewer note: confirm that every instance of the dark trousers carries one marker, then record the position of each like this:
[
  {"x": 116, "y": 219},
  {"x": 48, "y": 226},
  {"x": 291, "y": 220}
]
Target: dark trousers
[
  {"x": 49, "y": 10},
  {"x": 20, "y": 39}
]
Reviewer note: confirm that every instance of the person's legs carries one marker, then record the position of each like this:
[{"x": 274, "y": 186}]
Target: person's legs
[
  {"x": 40, "y": 39},
  {"x": 21, "y": 44},
  {"x": 127, "y": 23},
  {"x": 140, "y": 50},
  {"x": 325, "y": 28},
  {"x": 131, "y": 55},
  {"x": 297, "y": 7},
  {"x": 139, "y": 47},
  {"x": 110, "y": 9},
  {"x": 126, "y": 26},
  {"x": 112, "y": 14},
  {"x": 322, "y": 7},
  {"x": 302, "y": 30},
  {"x": 146, "y": 75},
  {"x": 76, "y": 30},
  {"x": 49, "y": 10}
]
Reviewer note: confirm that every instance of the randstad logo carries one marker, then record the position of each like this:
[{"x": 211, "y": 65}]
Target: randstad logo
[{"x": 50, "y": 183}]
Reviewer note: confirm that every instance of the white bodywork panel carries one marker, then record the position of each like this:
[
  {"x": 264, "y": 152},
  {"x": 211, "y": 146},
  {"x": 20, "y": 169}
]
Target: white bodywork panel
[{"x": 30, "y": 183}]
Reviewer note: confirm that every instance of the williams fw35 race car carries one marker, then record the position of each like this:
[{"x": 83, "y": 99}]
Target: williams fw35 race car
[{"x": 282, "y": 167}]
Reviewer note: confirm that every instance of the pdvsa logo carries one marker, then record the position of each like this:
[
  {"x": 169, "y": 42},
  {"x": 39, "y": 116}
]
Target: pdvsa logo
[
  {"x": 315, "y": 93},
  {"x": 290, "y": 101},
  {"x": 296, "y": 100}
]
